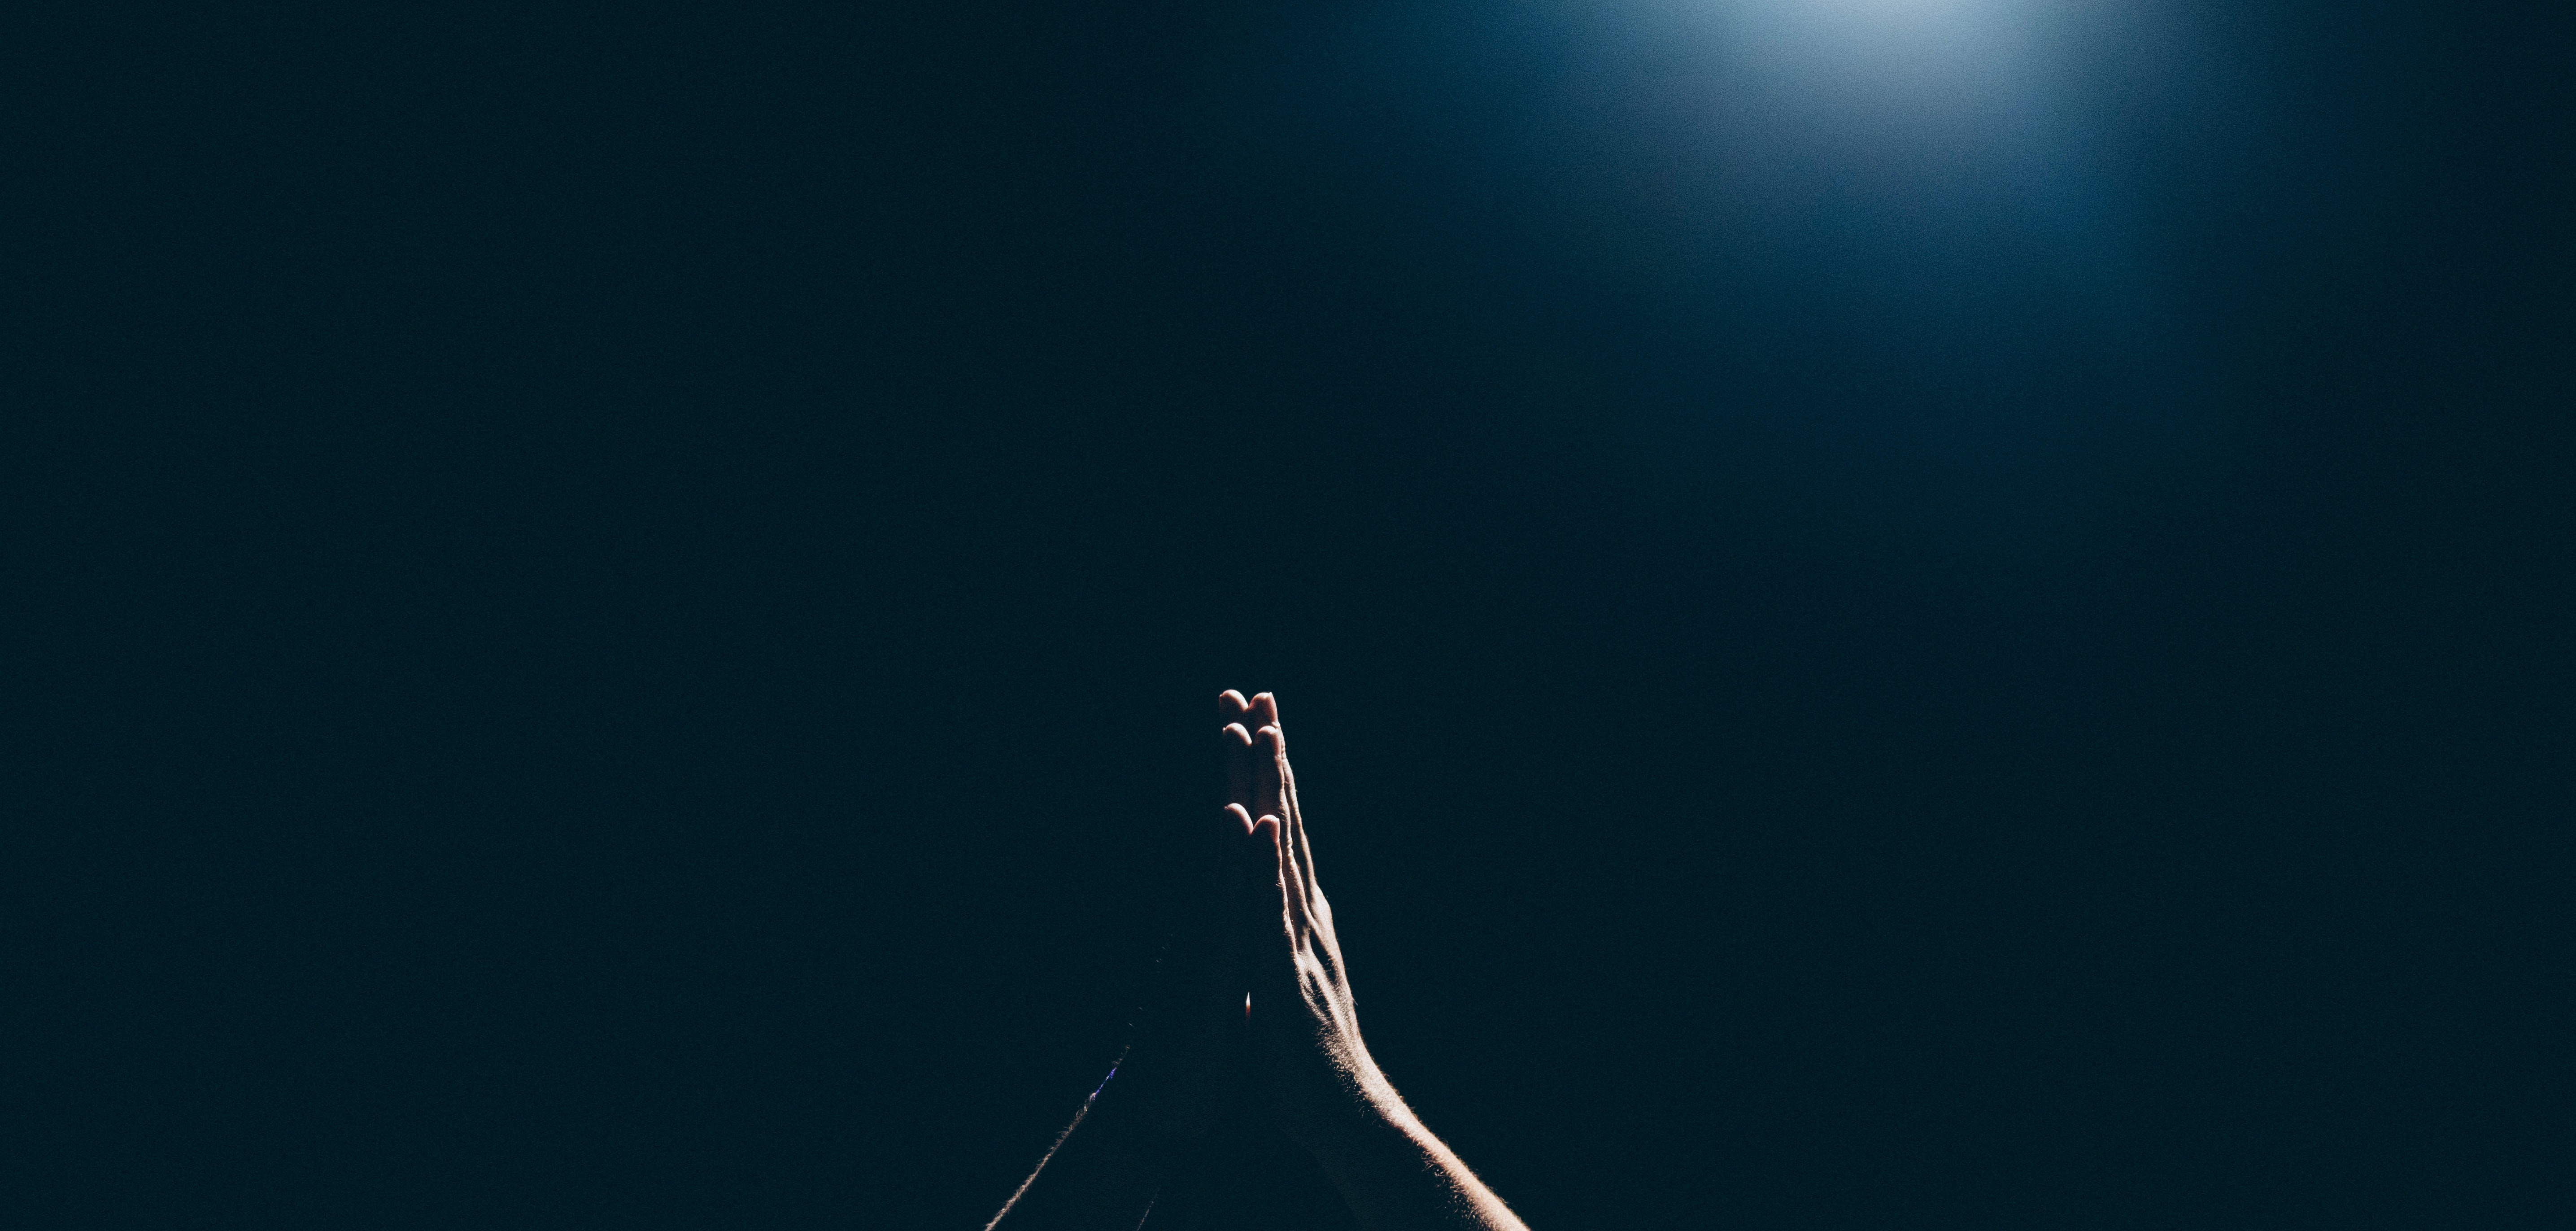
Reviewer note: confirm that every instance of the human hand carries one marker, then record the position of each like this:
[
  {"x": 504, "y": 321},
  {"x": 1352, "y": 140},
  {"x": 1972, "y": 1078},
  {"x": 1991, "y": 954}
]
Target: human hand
[
  {"x": 1185, "y": 1057},
  {"x": 1254, "y": 988},
  {"x": 1312, "y": 1067},
  {"x": 1182, "y": 1065},
  {"x": 1303, "y": 1031}
]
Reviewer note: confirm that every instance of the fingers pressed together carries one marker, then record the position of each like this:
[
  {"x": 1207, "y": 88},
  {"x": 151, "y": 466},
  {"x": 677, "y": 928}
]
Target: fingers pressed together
[
  {"x": 1261, "y": 790},
  {"x": 1261, "y": 804}
]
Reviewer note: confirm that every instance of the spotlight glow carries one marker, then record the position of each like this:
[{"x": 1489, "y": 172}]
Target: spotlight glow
[
  {"x": 1902, "y": 41},
  {"x": 1925, "y": 176}
]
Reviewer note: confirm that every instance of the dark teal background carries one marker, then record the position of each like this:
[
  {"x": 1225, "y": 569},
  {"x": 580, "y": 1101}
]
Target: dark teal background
[{"x": 623, "y": 606}]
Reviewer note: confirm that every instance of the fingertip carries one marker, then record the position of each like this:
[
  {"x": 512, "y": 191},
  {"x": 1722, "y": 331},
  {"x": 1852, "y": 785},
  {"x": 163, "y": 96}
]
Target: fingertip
[
  {"x": 1230, "y": 704},
  {"x": 1241, "y": 818},
  {"x": 1267, "y": 704},
  {"x": 1241, "y": 736}
]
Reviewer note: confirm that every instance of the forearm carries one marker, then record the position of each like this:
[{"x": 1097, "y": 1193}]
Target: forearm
[
  {"x": 1397, "y": 1175},
  {"x": 1101, "y": 1175}
]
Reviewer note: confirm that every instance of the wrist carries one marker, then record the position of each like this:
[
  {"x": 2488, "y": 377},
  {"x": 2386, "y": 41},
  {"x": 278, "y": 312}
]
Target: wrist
[
  {"x": 1373, "y": 1121},
  {"x": 1361, "y": 1115},
  {"x": 1384, "y": 1163},
  {"x": 1395, "y": 1173}
]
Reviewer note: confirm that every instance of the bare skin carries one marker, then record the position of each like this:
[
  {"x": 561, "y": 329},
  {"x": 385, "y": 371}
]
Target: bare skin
[
  {"x": 1319, "y": 1079},
  {"x": 1260, "y": 997}
]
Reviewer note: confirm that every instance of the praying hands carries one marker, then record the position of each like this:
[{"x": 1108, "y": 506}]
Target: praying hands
[{"x": 1257, "y": 1008}]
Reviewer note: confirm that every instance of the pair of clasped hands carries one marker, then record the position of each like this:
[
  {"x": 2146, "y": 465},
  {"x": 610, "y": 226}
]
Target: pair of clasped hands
[{"x": 1256, "y": 1004}]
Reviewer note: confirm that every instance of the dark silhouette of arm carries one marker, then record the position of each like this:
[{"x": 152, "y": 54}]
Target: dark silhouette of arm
[
  {"x": 1105, "y": 1169},
  {"x": 1101, "y": 1174}
]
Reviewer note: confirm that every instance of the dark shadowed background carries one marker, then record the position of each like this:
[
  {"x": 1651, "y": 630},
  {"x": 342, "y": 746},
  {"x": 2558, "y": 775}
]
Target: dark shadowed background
[{"x": 1893, "y": 614}]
